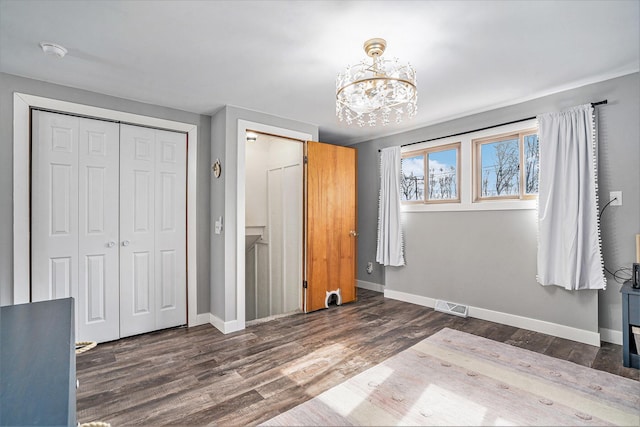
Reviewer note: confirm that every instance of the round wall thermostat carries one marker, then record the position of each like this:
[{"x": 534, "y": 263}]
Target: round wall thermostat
[{"x": 217, "y": 168}]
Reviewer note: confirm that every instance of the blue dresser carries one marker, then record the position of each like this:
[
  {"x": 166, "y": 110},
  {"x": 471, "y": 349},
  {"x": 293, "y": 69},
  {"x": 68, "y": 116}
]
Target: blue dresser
[
  {"x": 38, "y": 364},
  {"x": 630, "y": 317}
]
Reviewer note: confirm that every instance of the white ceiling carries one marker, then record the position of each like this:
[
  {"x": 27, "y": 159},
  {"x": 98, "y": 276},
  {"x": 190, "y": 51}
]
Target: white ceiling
[{"x": 282, "y": 57}]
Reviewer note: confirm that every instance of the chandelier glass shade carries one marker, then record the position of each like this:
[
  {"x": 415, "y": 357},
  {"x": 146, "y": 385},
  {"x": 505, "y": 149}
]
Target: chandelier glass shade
[{"x": 378, "y": 91}]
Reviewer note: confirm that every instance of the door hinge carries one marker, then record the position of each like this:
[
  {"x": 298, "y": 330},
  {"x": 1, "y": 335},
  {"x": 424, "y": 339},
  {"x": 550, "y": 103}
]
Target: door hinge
[
  {"x": 306, "y": 160},
  {"x": 304, "y": 284}
]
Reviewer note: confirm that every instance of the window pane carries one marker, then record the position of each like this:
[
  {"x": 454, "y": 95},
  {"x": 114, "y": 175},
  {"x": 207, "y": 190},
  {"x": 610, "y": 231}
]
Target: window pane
[
  {"x": 412, "y": 184},
  {"x": 443, "y": 175},
  {"x": 500, "y": 163},
  {"x": 531, "y": 164}
]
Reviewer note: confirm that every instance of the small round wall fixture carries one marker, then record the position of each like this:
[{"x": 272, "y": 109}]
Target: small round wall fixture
[
  {"x": 217, "y": 168},
  {"x": 53, "y": 49}
]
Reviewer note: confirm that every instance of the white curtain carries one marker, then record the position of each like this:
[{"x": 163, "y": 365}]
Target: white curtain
[
  {"x": 569, "y": 252},
  {"x": 390, "y": 244}
]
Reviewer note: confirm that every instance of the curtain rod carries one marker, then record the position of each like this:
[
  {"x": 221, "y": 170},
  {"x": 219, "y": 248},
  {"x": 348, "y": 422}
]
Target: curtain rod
[{"x": 593, "y": 104}]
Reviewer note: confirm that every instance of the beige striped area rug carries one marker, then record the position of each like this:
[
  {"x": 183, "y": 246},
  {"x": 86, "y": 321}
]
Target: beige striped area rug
[{"x": 455, "y": 378}]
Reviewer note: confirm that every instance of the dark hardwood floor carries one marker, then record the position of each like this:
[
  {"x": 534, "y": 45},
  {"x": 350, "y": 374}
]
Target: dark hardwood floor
[{"x": 197, "y": 376}]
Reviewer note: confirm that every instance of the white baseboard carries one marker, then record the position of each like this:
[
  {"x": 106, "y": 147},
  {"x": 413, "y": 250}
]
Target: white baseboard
[
  {"x": 611, "y": 335},
  {"x": 411, "y": 298},
  {"x": 554, "y": 329},
  {"x": 376, "y": 287},
  {"x": 225, "y": 327},
  {"x": 201, "y": 319}
]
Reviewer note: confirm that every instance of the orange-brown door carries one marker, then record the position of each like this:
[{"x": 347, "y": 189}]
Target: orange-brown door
[{"x": 330, "y": 223}]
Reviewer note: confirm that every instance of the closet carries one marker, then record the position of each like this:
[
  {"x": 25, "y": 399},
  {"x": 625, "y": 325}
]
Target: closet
[
  {"x": 273, "y": 226},
  {"x": 108, "y": 223}
]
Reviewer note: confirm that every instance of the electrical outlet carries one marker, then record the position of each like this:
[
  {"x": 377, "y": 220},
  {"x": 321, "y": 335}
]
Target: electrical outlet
[
  {"x": 369, "y": 267},
  {"x": 617, "y": 195}
]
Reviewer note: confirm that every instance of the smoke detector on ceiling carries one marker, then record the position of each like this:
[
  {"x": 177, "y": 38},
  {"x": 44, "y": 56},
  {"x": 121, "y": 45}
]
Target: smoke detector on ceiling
[{"x": 53, "y": 49}]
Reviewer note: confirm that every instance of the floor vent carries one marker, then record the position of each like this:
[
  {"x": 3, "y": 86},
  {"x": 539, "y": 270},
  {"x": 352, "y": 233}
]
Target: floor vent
[{"x": 452, "y": 308}]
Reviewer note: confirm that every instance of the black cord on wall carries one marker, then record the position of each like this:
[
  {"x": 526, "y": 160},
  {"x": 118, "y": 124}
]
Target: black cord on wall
[{"x": 627, "y": 270}]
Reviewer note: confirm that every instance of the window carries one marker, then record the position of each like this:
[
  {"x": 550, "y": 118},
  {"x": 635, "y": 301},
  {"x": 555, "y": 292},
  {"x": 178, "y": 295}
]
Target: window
[
  {"x": 506, "y": 166},
  {"x": 431, "y": 175}
]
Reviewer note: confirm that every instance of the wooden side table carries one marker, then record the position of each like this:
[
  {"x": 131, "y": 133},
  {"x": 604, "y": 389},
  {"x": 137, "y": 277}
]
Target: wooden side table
[{"x": 630, "y": 317}]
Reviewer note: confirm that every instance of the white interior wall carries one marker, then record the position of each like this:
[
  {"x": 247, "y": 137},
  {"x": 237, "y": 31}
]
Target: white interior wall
[{"x": 256, "y": 182}]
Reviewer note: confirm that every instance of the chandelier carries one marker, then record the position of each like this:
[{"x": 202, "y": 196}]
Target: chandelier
[{"x": 379, "y": 91}]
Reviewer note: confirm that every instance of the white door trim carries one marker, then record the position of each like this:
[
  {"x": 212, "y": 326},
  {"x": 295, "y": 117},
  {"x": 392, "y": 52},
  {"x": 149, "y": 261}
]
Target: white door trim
[
  {"x": 21, "y": 105},
  {"x": 243, "y": 126}
]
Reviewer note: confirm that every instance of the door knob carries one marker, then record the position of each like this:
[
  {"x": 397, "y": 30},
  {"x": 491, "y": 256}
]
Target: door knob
[
  {"x": 111, "y": 244},
  {"x": 353, "y": 233},
  {"x": 125, "y": 243}
]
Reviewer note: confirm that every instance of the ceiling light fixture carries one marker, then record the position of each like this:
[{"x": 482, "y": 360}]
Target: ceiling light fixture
[
  {"x": 368, "y": 92},
  {"x": 53, "y": 49}
]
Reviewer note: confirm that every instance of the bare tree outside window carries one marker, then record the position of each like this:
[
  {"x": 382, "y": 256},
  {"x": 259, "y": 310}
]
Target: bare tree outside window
[
  {"x": 507, "y": 166},
  {"x": 412, "y": 187},
  {"x": 531, "y": 163},
  {"x": 439, "y": 183},
  {"x": 408, "y": 186},
  {"x": 442, "y": 183},
  {"x": 443, "y": 174},
  {"x": 412, "y": 180},
  {"x": 500, "y": 168}
]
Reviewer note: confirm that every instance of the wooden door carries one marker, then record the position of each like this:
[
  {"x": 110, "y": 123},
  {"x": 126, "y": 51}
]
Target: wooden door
[{"x": 330, "y": 223}]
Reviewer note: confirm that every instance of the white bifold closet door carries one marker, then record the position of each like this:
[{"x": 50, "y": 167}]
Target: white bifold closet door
[
  {"x": 74, "y": 219},
  {"x": 152, "y": 230},
  {"x": 90, "y": 239}
]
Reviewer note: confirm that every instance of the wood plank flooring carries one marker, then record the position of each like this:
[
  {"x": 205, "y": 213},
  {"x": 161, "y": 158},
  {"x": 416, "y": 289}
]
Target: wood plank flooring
[{"x": 198, "y": 376}]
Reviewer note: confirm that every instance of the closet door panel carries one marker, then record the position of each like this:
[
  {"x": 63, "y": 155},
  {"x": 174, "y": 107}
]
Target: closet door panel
[
  {"x": 170, "y": 229},
  {"x": 137, "y": 230},
  {"x": 54, "y": 206},
  {"x": 98, "y": 226},
  {"x": 276, "y": 237},
  {"x": 292, "y": 247}
]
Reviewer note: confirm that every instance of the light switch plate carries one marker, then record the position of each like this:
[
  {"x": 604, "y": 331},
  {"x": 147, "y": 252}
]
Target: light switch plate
[{"x": 218, "y": 226}]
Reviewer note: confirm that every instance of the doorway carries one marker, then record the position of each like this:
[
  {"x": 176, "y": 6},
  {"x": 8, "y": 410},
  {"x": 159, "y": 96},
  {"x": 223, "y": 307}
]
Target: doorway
[
  {"x": 108, "y": 223},
  {"x": 273, "y": 225},
  {"x": 341, "y": 239}
]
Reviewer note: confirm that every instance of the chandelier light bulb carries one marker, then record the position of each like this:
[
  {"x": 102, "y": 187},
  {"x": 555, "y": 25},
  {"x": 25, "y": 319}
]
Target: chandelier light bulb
[{"x": 372, "y": 92}]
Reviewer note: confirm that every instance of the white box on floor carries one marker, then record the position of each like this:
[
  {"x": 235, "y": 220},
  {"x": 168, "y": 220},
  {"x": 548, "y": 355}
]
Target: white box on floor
[{"x": 636, "y": 336}]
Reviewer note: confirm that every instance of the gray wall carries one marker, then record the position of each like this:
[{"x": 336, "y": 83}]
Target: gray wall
[
  {"x": 224, "y": 200},
  {"x": 10, "y": 83},
  {"x": 487, "y": 259},
  {"x": 218, "y": 138}
]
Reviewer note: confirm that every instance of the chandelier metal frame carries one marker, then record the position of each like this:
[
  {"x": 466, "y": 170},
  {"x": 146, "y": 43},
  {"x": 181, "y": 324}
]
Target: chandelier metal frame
[{"x": 372, "y": 91}]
